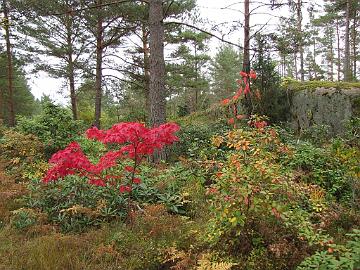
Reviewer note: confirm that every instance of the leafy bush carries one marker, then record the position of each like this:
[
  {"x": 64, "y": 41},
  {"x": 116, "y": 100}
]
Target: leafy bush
[
  {"x": 349, "y": 157},
  {"x": 23, "y": 155},
  {"x": 23, "y": 218},
  {"x": 271, "y": 99},
  {"x": 54, "y": 127},
  {"x": 337, "y": 257},
  {"x": 317, "y": 134},
  {"x": 75, "y": 205},
  {"x": 256, "y": 203},
  {"x": 195, "y": 140},
  {"x": 319, "y": 166},
  {"x": 106, "y": 185},
  {"x": 352, "y": 135}
]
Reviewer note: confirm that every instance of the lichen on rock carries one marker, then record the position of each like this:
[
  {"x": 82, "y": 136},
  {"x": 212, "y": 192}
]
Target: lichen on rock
[{"x": 330, "y": 106}]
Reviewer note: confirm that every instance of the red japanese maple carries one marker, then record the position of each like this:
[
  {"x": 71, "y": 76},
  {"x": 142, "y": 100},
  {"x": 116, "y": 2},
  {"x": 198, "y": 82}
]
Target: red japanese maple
[{"x": 135, "y": 142}]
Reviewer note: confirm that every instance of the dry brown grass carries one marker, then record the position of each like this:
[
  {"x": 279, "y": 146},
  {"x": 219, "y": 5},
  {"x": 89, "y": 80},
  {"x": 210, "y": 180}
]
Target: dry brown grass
[{"x": 53, "y": 251}]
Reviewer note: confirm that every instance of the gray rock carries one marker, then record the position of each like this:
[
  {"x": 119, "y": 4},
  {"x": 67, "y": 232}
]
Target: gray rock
[{"x": 324, "y": 106}]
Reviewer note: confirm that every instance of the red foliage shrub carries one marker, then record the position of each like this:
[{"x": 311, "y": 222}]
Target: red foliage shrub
[{"x": 135, "y": 141}]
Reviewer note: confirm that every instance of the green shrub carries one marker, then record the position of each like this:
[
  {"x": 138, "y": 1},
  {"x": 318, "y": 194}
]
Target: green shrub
[
  {"x": 23, "y": 155},
  {"x": 256, "y": 204},
  {"x": 352, "y": 135},
  {"x": 75, "y": 205},
  {"x": 337, "y": 257},
  {"x": 319, "y": 166},
  {"x": 317, "y": 134},
  {"x": 54, "y": 127},
  {"x": 23, "y": 218},
  {"x": 195, "y": 140}
]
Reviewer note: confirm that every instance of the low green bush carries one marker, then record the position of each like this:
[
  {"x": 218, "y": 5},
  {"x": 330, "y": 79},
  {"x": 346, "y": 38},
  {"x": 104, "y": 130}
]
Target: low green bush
[
  {"x": 195, "y": 140},
  {"x": 257, "y": 207},
  {"x": 320, "y": 166},
  {"x": 336, "y": 257},
  {"x": 75, "y": 205},
  {"x": 23, "y": 155},
  {"x": 54, "y": 127}
]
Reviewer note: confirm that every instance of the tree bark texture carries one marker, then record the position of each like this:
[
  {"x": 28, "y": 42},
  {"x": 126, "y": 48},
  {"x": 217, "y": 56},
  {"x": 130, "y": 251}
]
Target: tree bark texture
[
  {"x": 146, "y": 53},
  {"x": 300, "y": 41},
  {"x": 157, "y": 64},
  {"x": 99, "y": 60},
  {"x": 354, "y": 39},
  {"x": 347, "y": 67},
  {"x": 71, "y": 73},
  {"x": 10, "y": 94},
  {"x": 338, "y": 50},
  {"x": 246, "y": 61}
]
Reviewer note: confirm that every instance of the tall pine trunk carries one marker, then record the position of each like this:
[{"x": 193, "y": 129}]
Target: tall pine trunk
[
  {"x": 314, "y": 59},
  {"x": 146, "y": 54},
  {"x": 338, "y": 50},
  {"x": 246, "y": 58},
  {"x": 71, "y": 72},
  {"x": 354, "y": 43},
  {"x": 332, "y": 61},
  {"x": 296, "y": 65},
  {"x": 347, "y": 67},
  {"x": 300, "y": 44},
  {"x": 197, "y": 90},
  {"x": 9, "y": 66},
  {"x": 99, "y": 60},
  {"x": 157, "y": 64}
]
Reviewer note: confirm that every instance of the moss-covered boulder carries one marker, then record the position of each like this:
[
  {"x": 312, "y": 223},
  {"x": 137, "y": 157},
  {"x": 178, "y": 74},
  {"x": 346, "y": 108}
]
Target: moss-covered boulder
[{"x": 324, "y": 103}]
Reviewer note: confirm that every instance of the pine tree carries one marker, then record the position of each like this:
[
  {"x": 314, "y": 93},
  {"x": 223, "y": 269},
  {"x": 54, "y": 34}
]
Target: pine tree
[
  {"x": 157, "y": 63},
  {"x": 107, "y": 24},
  {"x": 136, "y": 62},
  {"x": 9, "y": 63},
  {"x": 225, "y": 71},
  {"x": 57, "y": 33},
  {"x": 24, "y": 102},
  {"x": 186, "y": 73}
]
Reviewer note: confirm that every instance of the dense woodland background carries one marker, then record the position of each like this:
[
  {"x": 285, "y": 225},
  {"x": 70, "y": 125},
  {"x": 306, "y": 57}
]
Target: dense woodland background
[{"x": 101, "y": 50}]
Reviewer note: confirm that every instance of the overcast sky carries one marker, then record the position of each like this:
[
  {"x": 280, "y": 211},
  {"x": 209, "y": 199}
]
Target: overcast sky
[{"x": 212, "y": 10}]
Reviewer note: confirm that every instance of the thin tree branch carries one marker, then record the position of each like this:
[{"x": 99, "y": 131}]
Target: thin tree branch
[{"x": 207, "y": 32}]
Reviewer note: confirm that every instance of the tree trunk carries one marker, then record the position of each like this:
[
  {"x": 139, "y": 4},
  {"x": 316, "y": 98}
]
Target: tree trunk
[
  {"x": 196, "y": 79},
  {"x": 347, "y": 68},
  {"x": 157, "y": 64},
  {"x": 284, "y": 65},
  {"x": 354, "y": 43},
  {"x": 246, "y": 59},
  {"x": 314, "y": 63},
  {"x": 71, "y": 75},
  {"x": 332, "y": 61},
  {"x": 338, "y": 49},
  {"x": 145, "y": 36},
  {"x": 300, "y": 44},
  {"x": 72, "y": 89},
  {"x": 1, "y": 105},
  {"x": 99, "y": 59},
  {"x": 296, "y": 65},
  {"x": 9, "y": 66}
]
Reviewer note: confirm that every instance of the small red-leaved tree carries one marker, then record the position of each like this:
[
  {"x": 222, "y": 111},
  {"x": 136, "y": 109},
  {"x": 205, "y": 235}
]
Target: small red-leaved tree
[
  {"x": 232, "y": 103},
  {"x": 133, "y": 140}
]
